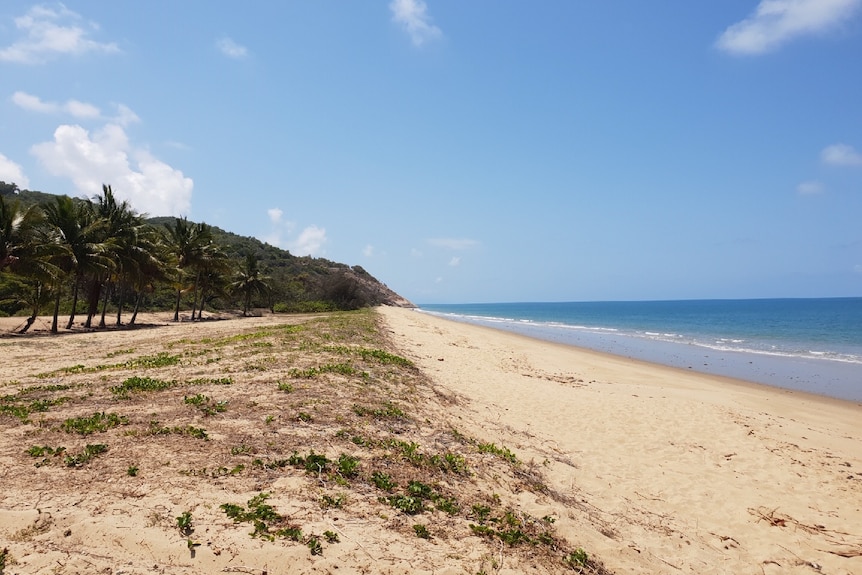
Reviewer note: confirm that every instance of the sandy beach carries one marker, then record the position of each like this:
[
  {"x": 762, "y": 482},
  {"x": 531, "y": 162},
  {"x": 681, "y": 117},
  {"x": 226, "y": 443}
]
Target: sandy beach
[
  {"x": 648, "y": 469},
  {"x": 674, "y": 472}
]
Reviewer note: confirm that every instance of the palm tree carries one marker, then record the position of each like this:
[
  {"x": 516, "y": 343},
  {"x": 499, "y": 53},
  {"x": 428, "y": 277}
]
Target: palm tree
[
  {"x": 117, "y": 236},
  {"x": 39, "y": 275},
  {"x": 249, "y": 280},
  {"x": 150, "y": 266},
  {"x": 189, "y": 244},
  {"x": 142, "y": 260},
  {"x": 212, "y": 270},
  {"x": 75, "y": 232},
  {"x": 17, "y": 228}
]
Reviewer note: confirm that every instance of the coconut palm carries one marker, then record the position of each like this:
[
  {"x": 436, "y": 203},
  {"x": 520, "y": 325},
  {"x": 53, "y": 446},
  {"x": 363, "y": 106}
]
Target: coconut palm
[
  {"x": 211, "y": 278},
  {"x": 141, "y": 260},
  {"x": 40, "y": 277},
  {"x": 249, "y": 281},
  {"x": 17, "y": 228},
  {"x": 117, "y": 237},
  {"x": 191, "y": 245},
  {"x": 76, "y": 233}
]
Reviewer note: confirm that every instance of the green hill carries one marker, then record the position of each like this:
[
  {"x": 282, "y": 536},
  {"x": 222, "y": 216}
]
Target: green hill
[{"x": 296, "y": 284}]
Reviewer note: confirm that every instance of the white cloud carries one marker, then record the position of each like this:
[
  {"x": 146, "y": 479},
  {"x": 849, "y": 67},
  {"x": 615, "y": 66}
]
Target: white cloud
[
  {"x": 309, "y": 243},
  {"x": 34, "y": 103},
  {"x": 809, "y": 188},
  {"x": 412, "y": 15},
  {"x": 125, "y": 116},
  {"x": 453, "y": 243},
  {"x": 81, "y": 109},
  {"x": 455, "y": 262},
  {"x": 275, "y": 215},
  {"x": 150, "y": 185},
  {"x": 841, "y": 155},
  {"x": 775, "y": 22},
  {"x": 368, "y": 251},
  {"x": 231, "y": 49},
  {"x": 75, "y": 108},
  {"x": 51, "y": 31},
  {"x": 11, "y": 173}
]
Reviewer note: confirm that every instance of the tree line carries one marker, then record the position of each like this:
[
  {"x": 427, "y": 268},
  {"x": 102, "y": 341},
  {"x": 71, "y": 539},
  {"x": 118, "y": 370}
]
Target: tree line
[{"x": 99, "y": 250}]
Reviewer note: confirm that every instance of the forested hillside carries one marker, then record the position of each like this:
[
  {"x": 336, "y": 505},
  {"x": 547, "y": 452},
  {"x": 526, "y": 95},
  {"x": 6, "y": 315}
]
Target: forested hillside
[{"x": 98, "y": 258}]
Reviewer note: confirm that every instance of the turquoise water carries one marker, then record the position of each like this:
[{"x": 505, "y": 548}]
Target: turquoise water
[{"x": 812, "y": 345}]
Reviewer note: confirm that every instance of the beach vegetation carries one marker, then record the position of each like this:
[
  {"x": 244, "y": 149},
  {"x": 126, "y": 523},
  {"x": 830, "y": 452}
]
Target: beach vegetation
[
  {"x": 314, "y": 545},
  {"x": 330, "y": 502},
  {"x": 89, "y": 453},
  {"x": 137, "y": 384},
  {"x": 285, "y": 386},
  {"x": 156, "y": 428},
  {"x": 304, "y": 417},
  {"x": 385, "y": 411},
  {"x": 348, "y": 466},
  {"x": 577, "y": 559},
  {"x": 501, "y": 452},
  {"x": 98, "y": 422},
  {"x": 383, "y": 481},
  {"x": 205, "y": 404},
  {"x": 184, "y": 523},
  {"x": 269, "y": 525},
  {"x": 46, "y": 452}
]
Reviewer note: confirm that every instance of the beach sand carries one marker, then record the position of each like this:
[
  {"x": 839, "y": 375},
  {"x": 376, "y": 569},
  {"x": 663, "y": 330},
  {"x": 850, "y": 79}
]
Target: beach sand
[
  {"x": 673, "y": 471},
  {"x": 647, "y": 468}
]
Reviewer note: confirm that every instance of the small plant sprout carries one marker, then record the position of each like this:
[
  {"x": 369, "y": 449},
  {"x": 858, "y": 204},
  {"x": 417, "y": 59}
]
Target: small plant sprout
[
  {"x": 285, "y": 387},
  {"x": 421, "y": 531},
  {"x": 314, "y": 546},
  {"x": 330, "y": 536},
  {"x": 577, "y": 559},
  {"x": 184, "y": 523},
  {"x": 132, "y": 471},
  {"x": 383, "y": 481},
  {"x": 348, "y": 466}
]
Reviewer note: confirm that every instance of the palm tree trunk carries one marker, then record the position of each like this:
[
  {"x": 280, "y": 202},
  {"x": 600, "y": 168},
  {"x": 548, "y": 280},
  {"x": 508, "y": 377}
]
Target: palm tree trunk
[
  {"x": 122, "y": 299},
  {"x": 195, "y": 295},
  {"x": 177, "y": 310},
  {"x": 104, "y": 306},
  {"x": 74, "y": 305},
  {"x": 137, "y": 306},
  {"x": 56, "y": 311},
  {"x": 36, "y": 300},
  {"x": 93, "y": 294}
]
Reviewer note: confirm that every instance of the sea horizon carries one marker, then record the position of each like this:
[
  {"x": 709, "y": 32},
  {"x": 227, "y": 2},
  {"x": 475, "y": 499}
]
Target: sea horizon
[{"x": 804, "y": 344}]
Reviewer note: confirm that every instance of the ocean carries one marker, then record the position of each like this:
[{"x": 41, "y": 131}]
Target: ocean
[{"x": 811, "y": 345}]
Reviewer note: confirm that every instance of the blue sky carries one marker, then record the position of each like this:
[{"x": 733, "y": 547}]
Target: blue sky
[{"x": 476, "y": 151}]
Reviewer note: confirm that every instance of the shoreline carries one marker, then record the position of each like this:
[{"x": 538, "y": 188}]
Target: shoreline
[
  {"x": 820, "y": 377},
  {"x": 664, "y": 466}
]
